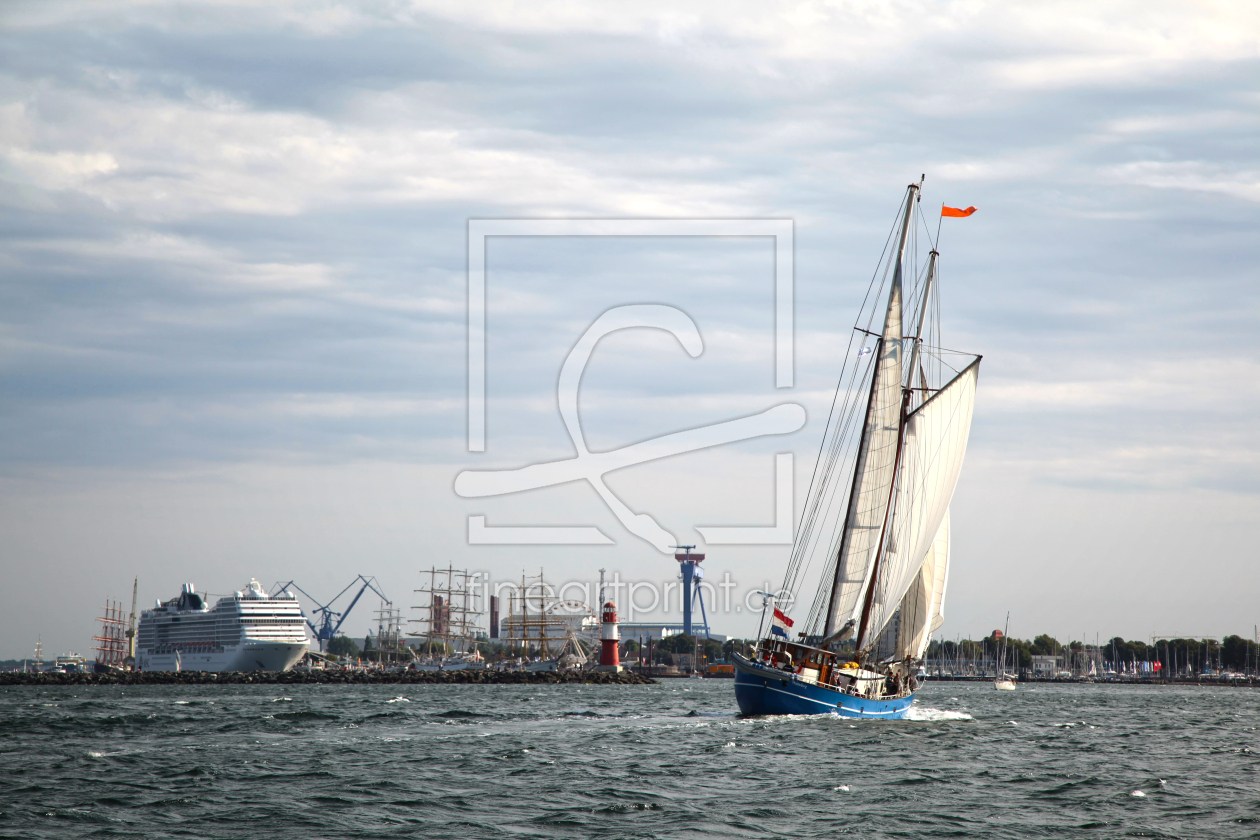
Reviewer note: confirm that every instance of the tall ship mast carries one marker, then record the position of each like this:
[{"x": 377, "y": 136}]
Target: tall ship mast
[
  {"x": 877, "y": 516},
  {"x": 539, "y": 624},
  {"x": 111, "y": 641},
  {"x": 448, "y": 618},
  {"x": 390, "y": 645}
]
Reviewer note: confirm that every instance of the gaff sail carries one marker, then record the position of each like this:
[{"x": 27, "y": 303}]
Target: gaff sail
[{"x": 935, "y": 442}]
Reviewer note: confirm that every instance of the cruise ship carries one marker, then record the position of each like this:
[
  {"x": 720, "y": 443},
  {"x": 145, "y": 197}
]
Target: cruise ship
[{"x": 246, "y": 631}]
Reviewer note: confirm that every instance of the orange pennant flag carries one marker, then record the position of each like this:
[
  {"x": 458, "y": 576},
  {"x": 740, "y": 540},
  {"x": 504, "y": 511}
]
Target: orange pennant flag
[{"x": 956, "y": 211}]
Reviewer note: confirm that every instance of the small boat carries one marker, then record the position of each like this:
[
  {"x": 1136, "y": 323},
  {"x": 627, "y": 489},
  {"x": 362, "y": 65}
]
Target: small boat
[
  {"x": 877, "y": 515},
  {"x": 1004, "y": 681}
]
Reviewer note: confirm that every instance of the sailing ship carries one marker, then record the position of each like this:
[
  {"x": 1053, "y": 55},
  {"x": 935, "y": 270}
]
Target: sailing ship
[
  {"x": 877, "y": 514},
  {"x": 449, "y": 620}
]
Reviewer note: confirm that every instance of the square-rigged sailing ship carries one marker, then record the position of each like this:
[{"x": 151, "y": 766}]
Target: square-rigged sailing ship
[{"x": 878, "y": 508}]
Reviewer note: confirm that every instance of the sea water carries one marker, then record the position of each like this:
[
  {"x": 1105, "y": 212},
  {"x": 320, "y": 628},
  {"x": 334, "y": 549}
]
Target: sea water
[{"x": 665, "y": 761}]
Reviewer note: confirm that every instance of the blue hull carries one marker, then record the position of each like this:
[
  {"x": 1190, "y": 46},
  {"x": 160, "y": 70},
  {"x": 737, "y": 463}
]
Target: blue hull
[{"x": 767, "y": 691}]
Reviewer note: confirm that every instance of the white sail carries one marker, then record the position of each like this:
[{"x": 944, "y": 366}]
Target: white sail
[
  {"x": 935, "y": 441},
  {"x": 872, "y": 483},
  {"x": 923, "y": 605},
  {"x": 941, "y": 548}
]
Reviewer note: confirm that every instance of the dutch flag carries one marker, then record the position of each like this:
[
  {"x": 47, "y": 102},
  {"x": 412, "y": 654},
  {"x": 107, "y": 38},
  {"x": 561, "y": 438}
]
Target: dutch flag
[{"x": 781, "y": 624}]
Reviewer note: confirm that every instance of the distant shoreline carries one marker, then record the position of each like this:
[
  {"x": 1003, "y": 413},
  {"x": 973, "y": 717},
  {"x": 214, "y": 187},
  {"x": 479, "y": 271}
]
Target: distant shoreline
[
  {"x": 1240, "y": 682},
  {"x": 462, "y": 677}
]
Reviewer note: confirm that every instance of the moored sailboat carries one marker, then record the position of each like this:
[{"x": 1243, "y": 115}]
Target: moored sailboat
[
  {"x": 1004, "y": 681},
  {"x": 877, "y": 513}
]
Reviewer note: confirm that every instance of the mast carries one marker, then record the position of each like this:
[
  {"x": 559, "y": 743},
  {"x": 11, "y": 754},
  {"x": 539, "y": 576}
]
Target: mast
[
  {"x": 909, "y": 390},
  {"x": 888, "y": 351},
  {"x": 131, "y": 622},
  {"x": 918, "y": 333},
  {"x": 1005, "y": 633}
]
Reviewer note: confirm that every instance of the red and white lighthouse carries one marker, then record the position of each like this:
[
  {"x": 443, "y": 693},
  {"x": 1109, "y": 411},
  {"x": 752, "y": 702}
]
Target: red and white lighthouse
[{"x": 609, "y": 636}]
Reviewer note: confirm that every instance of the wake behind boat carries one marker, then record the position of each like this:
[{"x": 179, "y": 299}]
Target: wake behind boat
[{"x": 890, "y": 460}]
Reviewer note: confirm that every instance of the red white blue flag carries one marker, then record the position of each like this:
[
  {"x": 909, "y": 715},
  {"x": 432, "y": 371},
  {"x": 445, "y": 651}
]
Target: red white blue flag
[{"x": 781, "y": 624}]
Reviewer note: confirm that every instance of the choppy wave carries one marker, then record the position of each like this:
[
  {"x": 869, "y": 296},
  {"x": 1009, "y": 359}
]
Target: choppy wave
[
  {"x": 651, "y": 761},
  {"x": 926, "y": 713}
]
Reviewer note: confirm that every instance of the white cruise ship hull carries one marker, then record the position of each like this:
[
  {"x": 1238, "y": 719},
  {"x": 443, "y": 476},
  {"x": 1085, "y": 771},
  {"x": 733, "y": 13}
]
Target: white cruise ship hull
[{"x": 259, "y": 656}]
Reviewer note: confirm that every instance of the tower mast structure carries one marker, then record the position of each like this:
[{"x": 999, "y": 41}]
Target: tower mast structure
[{"x": 691, "y": 572}]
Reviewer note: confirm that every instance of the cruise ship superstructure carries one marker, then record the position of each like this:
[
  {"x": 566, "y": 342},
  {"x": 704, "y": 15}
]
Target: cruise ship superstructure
[{"x": 246, "y": 631}]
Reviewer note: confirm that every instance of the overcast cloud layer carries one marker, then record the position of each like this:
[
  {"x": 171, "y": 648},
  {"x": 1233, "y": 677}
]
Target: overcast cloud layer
[{"x": 232, "y": 287}]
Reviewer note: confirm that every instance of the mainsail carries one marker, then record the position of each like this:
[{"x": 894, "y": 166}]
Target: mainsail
[{"x": 876, "y": 460}]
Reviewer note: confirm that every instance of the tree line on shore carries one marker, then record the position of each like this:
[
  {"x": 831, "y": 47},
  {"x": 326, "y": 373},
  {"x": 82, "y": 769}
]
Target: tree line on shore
[{"x": 1231, "y": 653}]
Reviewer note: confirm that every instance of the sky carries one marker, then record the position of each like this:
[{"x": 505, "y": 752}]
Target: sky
[{"x": 234, "y": 290}]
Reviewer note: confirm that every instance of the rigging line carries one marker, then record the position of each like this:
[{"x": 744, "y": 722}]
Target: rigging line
[
  {"x": 830, "y": 413},
  {"x": 870, "y": 319},
  {"x": 882, "y": 254},
  {"x": 840, "y": 453},
  {"x": 893, "y": 259},
  {"x": 823, "y": 497},
  {"x": 894, "y": 262},
  {"x": 941, "y": 358},
  {"x": 827, "y": 499},
  {"x": 806, "y": 547},
  {"x": 811, "y": 541},
  {"x": 837, "y": 431}
]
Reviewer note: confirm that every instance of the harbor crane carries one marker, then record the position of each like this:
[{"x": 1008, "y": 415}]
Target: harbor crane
[
  {"x": 330, "y": 620},
  {"x": 692, "y": 573}
]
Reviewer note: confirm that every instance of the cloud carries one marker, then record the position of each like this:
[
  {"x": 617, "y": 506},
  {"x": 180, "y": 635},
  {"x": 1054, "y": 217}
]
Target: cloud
[{"x": 234, "y": 235}]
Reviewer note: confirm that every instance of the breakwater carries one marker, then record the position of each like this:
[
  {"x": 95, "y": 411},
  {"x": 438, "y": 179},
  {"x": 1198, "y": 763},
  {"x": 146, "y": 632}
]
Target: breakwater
[{"x": 330, "y": 677}]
